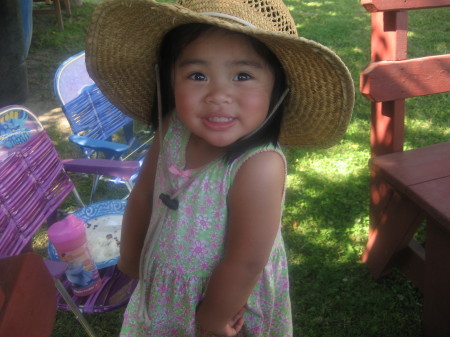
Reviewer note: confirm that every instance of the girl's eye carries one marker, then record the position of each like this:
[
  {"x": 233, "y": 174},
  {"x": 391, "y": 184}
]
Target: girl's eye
[
  {"x": 197, "y": 77},
  {"x": 242, "y": 77}
]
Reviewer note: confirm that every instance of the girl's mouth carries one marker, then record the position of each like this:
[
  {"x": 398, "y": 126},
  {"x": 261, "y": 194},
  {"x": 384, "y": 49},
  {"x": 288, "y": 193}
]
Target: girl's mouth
[
  {"x": 219, "y": 123},
  {"x": 218, "y": 119}
]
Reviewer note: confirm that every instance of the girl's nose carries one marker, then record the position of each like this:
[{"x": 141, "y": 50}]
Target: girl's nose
[{"x": 218, "y": 94}]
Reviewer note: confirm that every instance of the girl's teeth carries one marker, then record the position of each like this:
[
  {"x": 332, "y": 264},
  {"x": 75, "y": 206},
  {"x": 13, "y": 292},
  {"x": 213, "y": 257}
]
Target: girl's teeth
[{"x": 220, "y": 119}]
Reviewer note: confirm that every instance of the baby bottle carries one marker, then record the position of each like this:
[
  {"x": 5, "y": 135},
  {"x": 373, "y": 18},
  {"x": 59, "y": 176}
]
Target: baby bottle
[{"x": 69, "y": 238}]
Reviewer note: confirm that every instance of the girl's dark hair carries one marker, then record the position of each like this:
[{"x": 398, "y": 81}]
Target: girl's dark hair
[{"x": 171, "y": 47}]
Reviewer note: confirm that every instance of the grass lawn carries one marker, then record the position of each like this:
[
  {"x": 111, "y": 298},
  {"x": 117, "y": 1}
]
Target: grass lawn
[{"x": 325, "y": 221}]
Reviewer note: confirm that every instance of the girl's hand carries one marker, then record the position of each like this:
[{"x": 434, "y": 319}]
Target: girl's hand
[{"x": 231, "y": 328}]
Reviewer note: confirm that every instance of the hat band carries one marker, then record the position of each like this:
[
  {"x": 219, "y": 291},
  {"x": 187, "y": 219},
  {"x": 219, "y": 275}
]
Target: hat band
[{"x": 228, "y": 16}]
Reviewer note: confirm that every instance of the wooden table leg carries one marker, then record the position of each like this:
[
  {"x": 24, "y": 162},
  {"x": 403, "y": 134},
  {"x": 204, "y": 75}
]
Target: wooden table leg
[
  {"x": 437, "y": 281},
  {"x": 394, "y": 222}
]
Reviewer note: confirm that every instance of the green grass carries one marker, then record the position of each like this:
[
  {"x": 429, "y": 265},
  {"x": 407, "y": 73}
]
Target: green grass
[{"x": 325, "y": 221}]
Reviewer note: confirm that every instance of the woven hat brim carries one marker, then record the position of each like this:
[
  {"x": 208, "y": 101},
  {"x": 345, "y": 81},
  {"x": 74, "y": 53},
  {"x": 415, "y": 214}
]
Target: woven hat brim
[{"x": 122, "y": 48}]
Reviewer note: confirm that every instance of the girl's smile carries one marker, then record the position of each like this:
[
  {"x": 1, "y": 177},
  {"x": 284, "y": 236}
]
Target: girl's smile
[{"x": 222, "y": 87}]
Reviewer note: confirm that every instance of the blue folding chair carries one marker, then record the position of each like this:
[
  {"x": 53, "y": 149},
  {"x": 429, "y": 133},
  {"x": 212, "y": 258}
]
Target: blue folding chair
[{"x": 93, "y": 119}]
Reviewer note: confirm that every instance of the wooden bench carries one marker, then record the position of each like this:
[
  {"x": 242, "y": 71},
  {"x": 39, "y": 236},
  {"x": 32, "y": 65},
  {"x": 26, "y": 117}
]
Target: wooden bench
[{"x": 407, "y": 187}]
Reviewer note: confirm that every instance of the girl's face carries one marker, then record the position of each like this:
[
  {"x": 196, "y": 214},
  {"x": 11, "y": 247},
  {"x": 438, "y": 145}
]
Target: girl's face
[{"x": 222, "y": 87}]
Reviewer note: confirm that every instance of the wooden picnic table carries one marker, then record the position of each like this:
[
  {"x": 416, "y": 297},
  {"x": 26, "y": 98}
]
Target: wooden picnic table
[
  {"x": 421, "y": 181},
  {"x": 412, "y": 188}
]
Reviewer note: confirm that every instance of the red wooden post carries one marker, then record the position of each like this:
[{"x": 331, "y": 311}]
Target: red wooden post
[{"x": 389, "y": 43}]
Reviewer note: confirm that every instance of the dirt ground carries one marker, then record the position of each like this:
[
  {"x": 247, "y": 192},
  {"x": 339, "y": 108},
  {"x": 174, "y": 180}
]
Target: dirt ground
[{"x": 41, "y": 100}]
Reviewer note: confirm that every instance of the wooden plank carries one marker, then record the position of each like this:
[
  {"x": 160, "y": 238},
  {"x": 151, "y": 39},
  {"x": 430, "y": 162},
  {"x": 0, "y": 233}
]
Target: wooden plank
[
  {"x": 407, "y": 168},
  {"x": 395, "y": 80},
  {"x": 434, "y": 198},
  {"x": 392, "y": 5}
]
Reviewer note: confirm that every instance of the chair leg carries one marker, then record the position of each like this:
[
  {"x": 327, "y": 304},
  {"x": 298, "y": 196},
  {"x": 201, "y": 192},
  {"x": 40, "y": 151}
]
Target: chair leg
[
  {"x": 78, "y": 197},
  {"x": 59, "y": 18},
  {"x": 67, "y": 7},
  {"x": 95, "y": 180},
  {"x": 76, "y": 311}
]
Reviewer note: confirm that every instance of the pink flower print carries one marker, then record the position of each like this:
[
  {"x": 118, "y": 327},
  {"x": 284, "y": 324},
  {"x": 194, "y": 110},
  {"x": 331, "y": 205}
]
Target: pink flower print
[
  {"x": 202, "y": 208},
  {"x": 218, "y": 213},
  {"x": 215, "y": 247},
  {"x": 284, "y": 284},
  {"x": 189, "y": 259},
  {"x": 188, "y": 209},
  {"x": 180, "y": 321},
  {"x": 203, "y": 223},
  {"x": 187, "y": 236},
  {"x": 180, "y": 269},
  {"x": 177, "y": 256},
  {"x": 206, "y": 186},
  {"x": 163, "y": 245},
  {"x": 194, "y": 184},
  {"x": 157, "y": 255},
  {"x": 222, "y": 188},
  {"x": 192, "y": 230},
  {"x": 204, "y": 265},
  {"x": 209, "y": 201},
  {"x": 171, "y": 237},
  {"x": 163, "y": 289},
  {"x": 198, "y": 250},
  {"x": 179, "y": 247}
]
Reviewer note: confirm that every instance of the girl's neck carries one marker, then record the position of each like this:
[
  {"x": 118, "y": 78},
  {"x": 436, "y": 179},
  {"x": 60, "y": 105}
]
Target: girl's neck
[{"x": 200, "y": 153}]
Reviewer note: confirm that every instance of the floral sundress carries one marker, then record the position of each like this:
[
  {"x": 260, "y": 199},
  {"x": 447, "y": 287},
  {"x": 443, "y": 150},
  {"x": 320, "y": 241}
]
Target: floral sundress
[{"x": 191, "y": 243}]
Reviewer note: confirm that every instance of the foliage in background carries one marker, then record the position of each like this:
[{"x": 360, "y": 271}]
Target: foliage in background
[{"x": 325, "y": 221}]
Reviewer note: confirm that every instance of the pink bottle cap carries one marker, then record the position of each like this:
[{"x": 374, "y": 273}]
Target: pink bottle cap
[{"x": 67, "y": 234}]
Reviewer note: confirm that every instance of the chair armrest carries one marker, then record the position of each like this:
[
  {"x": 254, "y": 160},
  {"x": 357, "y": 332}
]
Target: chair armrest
[
  {"x": 110, "y": 149},
  {"x": 113, "y": 168}
]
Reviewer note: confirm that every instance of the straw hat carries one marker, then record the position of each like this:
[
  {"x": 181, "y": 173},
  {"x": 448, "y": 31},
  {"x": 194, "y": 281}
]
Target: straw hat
[{"x": 123, "y": 43}]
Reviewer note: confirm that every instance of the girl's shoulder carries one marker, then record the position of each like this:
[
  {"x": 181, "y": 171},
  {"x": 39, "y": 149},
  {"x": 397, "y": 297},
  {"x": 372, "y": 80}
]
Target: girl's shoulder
[
  {"x": 260, "y": 159},
  {"x": 259, "y": 170}
]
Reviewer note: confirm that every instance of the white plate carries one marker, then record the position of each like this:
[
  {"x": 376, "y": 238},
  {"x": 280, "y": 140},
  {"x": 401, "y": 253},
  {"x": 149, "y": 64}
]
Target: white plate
[{"x": 103, "y": 224}]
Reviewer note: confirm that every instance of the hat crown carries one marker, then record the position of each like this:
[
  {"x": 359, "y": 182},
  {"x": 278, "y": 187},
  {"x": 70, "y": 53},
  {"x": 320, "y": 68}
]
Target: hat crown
[{"x": 271, "y": 15}]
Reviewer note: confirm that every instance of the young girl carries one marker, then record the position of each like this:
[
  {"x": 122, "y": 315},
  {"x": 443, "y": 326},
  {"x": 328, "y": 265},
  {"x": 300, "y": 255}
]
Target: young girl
[{"x": 201, "y": 229}]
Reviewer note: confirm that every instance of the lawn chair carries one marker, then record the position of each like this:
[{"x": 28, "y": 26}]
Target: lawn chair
[
  {"x": 92, "y": 118},
  {"x": 33, "y": 184}
]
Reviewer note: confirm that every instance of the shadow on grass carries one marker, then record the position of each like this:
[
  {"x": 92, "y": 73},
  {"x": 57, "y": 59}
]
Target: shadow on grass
[{"x": 325, "y": 230}]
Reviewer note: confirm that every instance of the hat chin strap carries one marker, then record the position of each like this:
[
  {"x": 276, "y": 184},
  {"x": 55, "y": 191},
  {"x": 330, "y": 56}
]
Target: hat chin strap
[
  {"x": 230, "y": 17},
  {"x": 269, "y": 116}
]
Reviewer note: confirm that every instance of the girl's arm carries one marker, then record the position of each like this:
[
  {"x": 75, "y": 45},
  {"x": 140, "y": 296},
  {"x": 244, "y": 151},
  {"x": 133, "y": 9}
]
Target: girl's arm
[
  {"x": 137, "y": 214},
  {"x": 254, "y": 218}
]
